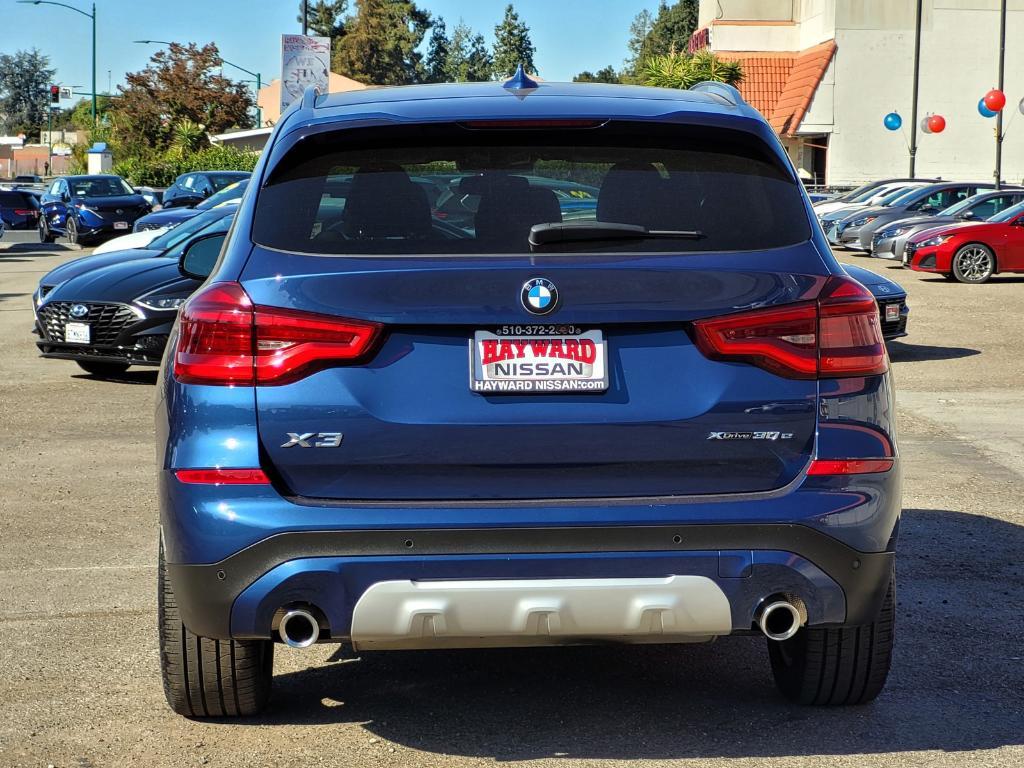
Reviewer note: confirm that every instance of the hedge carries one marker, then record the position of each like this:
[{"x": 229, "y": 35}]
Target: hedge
[{"x": 162, "y": 172}]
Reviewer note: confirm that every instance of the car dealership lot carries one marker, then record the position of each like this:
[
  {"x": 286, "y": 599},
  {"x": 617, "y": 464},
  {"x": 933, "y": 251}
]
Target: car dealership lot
[{"x": 78, "y": 656}]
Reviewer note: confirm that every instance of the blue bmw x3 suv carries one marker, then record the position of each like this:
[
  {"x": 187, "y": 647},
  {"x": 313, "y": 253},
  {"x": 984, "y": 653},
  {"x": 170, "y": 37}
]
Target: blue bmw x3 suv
[{"x": 664, "y": 422}]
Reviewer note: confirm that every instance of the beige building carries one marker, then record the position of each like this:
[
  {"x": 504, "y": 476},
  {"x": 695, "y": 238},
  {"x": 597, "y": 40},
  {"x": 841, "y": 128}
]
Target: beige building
[
  {"x": 269, "y": 101},
  {"x": 826, "y": 72}
]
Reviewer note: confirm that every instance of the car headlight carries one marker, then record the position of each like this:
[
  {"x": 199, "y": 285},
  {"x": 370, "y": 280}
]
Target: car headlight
[
  {"x": 894, "y": 232},
  {"x": 862, "y": 221},
  {"x": 84, "y": 207},
  {"x": 937, "y": 240},
  {"x": 163, "y": 303}
]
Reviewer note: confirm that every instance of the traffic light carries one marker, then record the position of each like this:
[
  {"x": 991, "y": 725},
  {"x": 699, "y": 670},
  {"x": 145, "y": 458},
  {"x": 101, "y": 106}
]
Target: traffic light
[{"x": 55, "y": 94}]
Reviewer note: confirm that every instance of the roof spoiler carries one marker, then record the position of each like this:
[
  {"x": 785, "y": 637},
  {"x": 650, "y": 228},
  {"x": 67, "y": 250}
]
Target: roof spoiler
[{"x": 723, "y": 91}]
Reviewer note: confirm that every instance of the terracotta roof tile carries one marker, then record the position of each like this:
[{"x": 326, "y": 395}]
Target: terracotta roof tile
[{"x": 781, "y": 85}]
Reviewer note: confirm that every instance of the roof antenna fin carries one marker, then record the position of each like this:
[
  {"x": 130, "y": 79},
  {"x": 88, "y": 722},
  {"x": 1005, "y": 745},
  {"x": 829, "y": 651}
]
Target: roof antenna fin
[{"x": 520, "y": 80}]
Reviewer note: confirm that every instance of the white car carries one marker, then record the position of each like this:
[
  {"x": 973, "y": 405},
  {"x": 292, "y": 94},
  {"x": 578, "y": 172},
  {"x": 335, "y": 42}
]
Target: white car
[{"x": 133, "y": 240}]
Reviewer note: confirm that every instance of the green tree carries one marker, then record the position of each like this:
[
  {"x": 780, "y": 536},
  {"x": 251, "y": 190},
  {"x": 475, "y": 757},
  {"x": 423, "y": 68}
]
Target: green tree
[
  {"x": 79, "y": 117},
  {"x": 679, "y": 70},
  {"x": 181, "y": 82},
  {"x": 468, "y": 58},
  {"x": 435, "y": 65},
  {"x": 512, "y": 45},
  {"x": 381, "y": 41},
  {"x": 25, "y": 78},
  {"x": 604, "y": 75},
  {"x": 673, "y": 27},
  {"x": 324, "y": 18},
  {"x": 639, "y": 32},
  {"x": 668, "y": 31}
]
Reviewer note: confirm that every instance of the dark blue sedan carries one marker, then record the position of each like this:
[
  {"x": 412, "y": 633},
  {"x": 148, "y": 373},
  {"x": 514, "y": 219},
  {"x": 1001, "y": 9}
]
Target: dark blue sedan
[{"x": 87, "y": 209}]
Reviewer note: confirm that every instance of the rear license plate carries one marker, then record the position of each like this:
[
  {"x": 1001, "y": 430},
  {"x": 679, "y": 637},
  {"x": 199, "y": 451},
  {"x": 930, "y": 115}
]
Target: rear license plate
[
  {"x": 120, "y": 225},
  {"x": 892, "y": 312},
  {"x": 535, "y": 361},
  {"x": 76, "y": 333}
]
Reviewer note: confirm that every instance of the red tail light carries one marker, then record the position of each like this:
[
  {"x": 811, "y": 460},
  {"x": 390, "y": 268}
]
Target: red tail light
[
  {"x": 222, "y": 476},
  {"x": 26, "y": 211},
  {"x": 848, "y": 466},
  {"x": 838, "y": 335},
  {"x": 224, "y": 339}
]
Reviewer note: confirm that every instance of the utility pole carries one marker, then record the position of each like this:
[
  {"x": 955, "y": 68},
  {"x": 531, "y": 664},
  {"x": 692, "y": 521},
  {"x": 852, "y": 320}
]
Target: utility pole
[
  {"x": 305, "y": 17},
  {"x": 999, "y": 114},
  {"x": 913, "y": 98}
]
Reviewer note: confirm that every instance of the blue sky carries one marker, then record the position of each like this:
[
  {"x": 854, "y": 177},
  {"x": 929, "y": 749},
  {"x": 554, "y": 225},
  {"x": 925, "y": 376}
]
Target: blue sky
[{"x": 570, "y": 35}]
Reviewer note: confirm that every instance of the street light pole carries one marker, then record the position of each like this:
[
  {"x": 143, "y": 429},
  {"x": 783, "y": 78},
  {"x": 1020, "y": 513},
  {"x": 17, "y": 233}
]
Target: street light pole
[
  {"x": 259, "y": 79},
  {"x": 999, "y": 114},
  {"x": 88, "y": 16},
  {"x": 913, "y": 98}
]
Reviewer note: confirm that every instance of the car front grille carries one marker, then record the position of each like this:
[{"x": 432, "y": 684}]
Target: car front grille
[
  {"x": 893, "y": 326},
  {"x": 106, "y": 321}
]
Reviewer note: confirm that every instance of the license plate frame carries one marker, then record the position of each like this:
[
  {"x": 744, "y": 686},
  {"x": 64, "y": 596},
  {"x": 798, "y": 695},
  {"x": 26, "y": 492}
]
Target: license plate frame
[
  {"x": 121, "y": 225},
  {"x": 892, "y": 313},
  {"x": 77, "y": 333},
  {"x": 573, "y": 362}
]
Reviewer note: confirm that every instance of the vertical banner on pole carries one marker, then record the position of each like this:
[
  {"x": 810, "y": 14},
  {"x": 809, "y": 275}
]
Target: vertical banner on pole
[{"x": 305, "y": 61}]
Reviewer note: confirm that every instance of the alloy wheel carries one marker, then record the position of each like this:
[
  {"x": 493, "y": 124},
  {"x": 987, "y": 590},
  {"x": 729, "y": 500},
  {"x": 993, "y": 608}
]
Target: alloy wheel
[{"x": 973, "y": 264}]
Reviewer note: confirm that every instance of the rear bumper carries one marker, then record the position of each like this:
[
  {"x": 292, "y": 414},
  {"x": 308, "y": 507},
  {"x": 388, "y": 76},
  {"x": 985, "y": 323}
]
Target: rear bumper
[{"x": 242, "y": 595}]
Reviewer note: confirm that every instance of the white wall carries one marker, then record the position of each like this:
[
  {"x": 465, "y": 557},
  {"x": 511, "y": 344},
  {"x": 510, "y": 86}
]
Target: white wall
[{"x": 873, "y": 75}]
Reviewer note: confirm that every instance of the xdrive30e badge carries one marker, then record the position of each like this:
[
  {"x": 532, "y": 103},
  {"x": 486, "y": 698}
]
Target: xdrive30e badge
[
  {"x": 539, "y": 296},
  {"x": 313, "y": 440},
  {"x": 750, "y": 436}
]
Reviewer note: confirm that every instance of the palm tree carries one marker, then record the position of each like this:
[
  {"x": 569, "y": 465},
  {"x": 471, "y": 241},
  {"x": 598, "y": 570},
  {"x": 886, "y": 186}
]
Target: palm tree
[{"x": 679, "y": 70}]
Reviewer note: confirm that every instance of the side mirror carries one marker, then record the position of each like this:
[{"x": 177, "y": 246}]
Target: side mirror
[
  {"x": 198, "y": 259},
  {"x": 968, "y": 216}
]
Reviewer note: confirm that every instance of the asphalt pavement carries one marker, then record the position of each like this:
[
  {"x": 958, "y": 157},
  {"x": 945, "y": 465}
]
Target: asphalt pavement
[{"x": 79, "y": 682}]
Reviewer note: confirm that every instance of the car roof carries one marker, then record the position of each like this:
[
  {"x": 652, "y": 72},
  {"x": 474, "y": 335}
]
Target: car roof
[{"x": 492, "y": 100}]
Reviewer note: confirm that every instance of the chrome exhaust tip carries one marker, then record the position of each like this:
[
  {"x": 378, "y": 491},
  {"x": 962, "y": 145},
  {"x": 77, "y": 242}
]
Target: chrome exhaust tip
[
  {"x": 299, "y": 628},
  {"x": 779, "y": 620}
]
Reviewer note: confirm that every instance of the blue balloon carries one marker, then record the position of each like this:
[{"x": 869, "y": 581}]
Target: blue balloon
[
  {"x": 983, "y": 110},
  {"x": 893, "y": 121}
]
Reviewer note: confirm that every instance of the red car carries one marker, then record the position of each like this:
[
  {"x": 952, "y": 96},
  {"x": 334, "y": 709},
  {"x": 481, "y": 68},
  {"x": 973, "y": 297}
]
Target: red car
[{"x": 972, "y": 252}]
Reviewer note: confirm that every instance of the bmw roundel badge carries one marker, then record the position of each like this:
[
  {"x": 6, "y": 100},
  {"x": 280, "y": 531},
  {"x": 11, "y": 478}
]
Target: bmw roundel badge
[
  {"x": 539, "y": 296},
  {"x": 79, "y": 310}
]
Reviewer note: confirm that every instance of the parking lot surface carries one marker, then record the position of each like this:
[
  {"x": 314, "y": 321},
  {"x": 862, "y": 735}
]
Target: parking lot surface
[{"x": 79, "y": 681}]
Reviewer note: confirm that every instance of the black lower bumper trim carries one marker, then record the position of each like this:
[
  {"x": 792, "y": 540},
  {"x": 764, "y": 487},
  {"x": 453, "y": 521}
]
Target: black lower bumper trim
[{"x": 206, "y": 593}]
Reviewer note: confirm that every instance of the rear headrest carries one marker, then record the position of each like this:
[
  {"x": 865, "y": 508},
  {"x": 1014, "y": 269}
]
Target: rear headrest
[
  {"x": 385, "y": 203},
  {"x": 630, "y": 193}
]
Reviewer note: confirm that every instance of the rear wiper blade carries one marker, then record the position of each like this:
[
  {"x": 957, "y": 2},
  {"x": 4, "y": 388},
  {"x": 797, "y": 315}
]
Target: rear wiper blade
[{"x": 569, "y": 232}]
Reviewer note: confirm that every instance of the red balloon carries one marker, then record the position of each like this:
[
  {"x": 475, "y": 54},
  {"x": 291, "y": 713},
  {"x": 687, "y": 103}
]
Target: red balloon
[
  {"x": 937, "y": 123},
  {"x": 995, "y": 99}
]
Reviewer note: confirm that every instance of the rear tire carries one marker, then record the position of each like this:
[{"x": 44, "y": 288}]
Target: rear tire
[
  {"x": 45, "y": 236},
  {"x": 102, "y": 369},
  {"x": 841, "y": 666},
  {"x": 204, "y": 677}
]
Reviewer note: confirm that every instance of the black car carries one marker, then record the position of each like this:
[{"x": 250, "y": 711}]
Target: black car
[
  {"x": 119, "y": 312},
  {"x": 171, "y": 217},
  {"x": 890, "y": 296},
  {"x": 192, "y": 188},
  {"x": 87, "y": 209},
  {"x": 19, "y": 208}
]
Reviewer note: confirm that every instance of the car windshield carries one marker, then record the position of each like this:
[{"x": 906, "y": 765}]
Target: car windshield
[
  {"x": 185, "y": 230},
  {"x": 220, "y": 180},
  {"x": 1009, "y": 214},
  {"x": 899, "y": 196},
  {"x": 226, "y": 195},
  {"x": 223, "y": 224},
  {"x": 363, "y": 193},
  {"x": 961, "y": 206},
  {"x": 99, "y": 186}
]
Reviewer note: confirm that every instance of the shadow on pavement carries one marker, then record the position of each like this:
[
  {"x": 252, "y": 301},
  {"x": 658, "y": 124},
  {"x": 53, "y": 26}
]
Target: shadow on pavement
[
  {"x": 901, "y": 351},
  {"x": 955, "y": 686},
  {"x": 146, "y": 376}
]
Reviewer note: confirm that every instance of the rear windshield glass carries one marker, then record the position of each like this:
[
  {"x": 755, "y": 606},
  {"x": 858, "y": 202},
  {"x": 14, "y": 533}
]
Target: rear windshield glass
[
  {"x": 455, "y": 189},
  {"x": 230, "y": 192}
]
